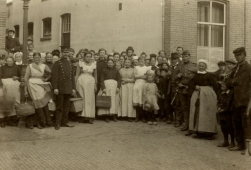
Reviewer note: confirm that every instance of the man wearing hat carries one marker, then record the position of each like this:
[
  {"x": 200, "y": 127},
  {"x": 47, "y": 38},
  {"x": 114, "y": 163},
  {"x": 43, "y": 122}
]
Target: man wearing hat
[
  {"x": 231, "y": 63},
  {"x": 63, "y": 84},
  {"x": 184, "y": 79},
  {"x": 222, "y": 72},
  {"x": 239, "y": 81},
  {"x": 12, "y": 44}
]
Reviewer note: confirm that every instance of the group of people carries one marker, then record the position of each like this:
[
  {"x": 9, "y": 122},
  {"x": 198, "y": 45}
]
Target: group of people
[{"x": 150, "y": 88}]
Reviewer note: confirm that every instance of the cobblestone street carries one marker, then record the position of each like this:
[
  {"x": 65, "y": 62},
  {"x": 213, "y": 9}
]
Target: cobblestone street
[{"x": 120, "y": 145}]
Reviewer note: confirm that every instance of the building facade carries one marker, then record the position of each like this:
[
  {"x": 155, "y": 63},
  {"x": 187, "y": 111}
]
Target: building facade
[
  {"x": 2, "y": 24},
  {"x": 210, "y": 29}
]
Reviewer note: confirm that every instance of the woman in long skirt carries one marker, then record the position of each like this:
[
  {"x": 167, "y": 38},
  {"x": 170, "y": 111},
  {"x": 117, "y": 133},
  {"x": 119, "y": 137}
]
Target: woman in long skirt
[
  {"x": 203, "y": 108},
  {"x": 140, "y": 76},
  {"x": 9, "y": 76},
  {"x": 127, "y": 78},
  {"x": 39, "y": 90},
  {"x": 86, "y": 87},
  {"x": 110, "y": 84}
]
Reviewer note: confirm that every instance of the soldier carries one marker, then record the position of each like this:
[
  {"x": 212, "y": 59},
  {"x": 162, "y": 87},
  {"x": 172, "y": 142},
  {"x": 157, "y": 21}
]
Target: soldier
[
  {"x": 63, "y": 84},
  {"x": 239, "y": 81},
  {"x": 184, "y": 79},
  {"x": 12, "y": 44}
]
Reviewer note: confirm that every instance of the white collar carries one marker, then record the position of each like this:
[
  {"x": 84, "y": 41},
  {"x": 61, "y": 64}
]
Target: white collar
[{"x": 201, "y": 72}]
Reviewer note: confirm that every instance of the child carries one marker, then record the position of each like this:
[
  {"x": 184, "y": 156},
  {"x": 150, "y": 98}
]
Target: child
[
  {"x": 2, "y": 60},
  {"x": 150, "y": 94},
  {"x": 225, "y": 117},
  {"x": 118, "y": 65}
]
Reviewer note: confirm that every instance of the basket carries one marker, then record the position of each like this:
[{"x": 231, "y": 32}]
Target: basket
[
  {"x": 76, "y": 105},
  {"x": 25, "y": 109}
]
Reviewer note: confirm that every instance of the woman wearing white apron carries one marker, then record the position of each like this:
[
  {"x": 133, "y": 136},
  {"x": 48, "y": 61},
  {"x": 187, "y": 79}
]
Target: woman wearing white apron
[
  {"x": 140, "y": 76},
  {"x": 110, "y": 84},
  {"x": 9, "y": 84},
  {"x": 86, "y": 87}
]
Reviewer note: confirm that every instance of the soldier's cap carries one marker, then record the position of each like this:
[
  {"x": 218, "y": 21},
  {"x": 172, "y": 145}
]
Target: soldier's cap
[
  {"x": 193, "y": 69},
  {"x": 163, "y": 69},
  {"x": 231, "y": 61},
  {"x": 174, "y": 56},
  {"x": 186, "y": 52},
  {"x": 222, "y": 63},
  {"x": 239, "y": 50},
  {"x": 74, "y": 60},
  {"x": 153, "y": 55}
]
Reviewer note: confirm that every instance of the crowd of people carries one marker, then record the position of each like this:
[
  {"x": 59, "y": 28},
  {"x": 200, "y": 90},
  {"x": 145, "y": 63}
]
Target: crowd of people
[{"x": 148, "y": 88}]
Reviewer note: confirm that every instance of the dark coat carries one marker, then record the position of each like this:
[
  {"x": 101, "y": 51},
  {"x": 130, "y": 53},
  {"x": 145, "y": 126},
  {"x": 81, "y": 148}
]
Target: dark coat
[
  {"x": 11, "y": 43},
  {"x": 62, "y": 77},
  {"x": 240, "y": 84}
]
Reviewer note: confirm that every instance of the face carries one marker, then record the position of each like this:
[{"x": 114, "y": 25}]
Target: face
[
  {"x": 30, "y": 56},
  {"x": 135, "y": 62},
  {"x": 141, "y": 62},
  {"x": 30, "y": 47},
  {"x": 179, "y": 51},
  {"x": 143, "y": 55},
  {"x": 9, "y": 61},
  {"x": 164, "y": 60},
  {"x": 153, "y": 62},
  {"x": 102, "y": 55},
  {"x": 174, "y": 61},
  {"x": 222, "y": 68},
  {"x": 55, "y": 58},
  {"x": 18, "y": 58},
  {"x": 11, "y": 34},
  {"x": 122, "y": 60},
  {"x": 65, "y": 54},
  {"x": 116, "y": 58},
  {"x": 88, "y": 58},
  {"x": 42, "y": 59},
  {"x": 71, "y": 54},
  {"x": 150, "y": 78},
  {"x": 75, "y": 64},
  {"x": 110, "y": 64},
  {"x": 2, "y": 62},
  {"x": 37, "y": 59},
  {"x": 129, "y": 52},
  {"x": 124, "y": 55},
  {"x": 127, "y": 63},
  {"x": 163, "y": 73},
  {"x": 160, "y": 60},
  {"x": 49, "y": 57},
  {"x": 162, "y": 54},
  {"x": 96, "y": 57},
  {"x": 186, "y": 58},
  {"x": 230, "y": 66},
  {"x": 240, "y": 57},
  {"x": 118, "y": 66},
  {"x": 165, "y": 66},
  {"x": 202, "y": 66},
  {"x": 147, "y": 62}
]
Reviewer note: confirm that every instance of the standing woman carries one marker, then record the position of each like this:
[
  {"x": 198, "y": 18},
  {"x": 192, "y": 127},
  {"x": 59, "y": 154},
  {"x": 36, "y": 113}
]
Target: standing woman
[
  {"x": 39, "y": 89},
  {"x": 140, "y": 77},
  {"x": 203, "y": 107},
  {"x": 9, "y": 76},
  {"x": 122, "y": 60},
  {"x": 110, "y": 84},
  {"x": 86, "y": 86},
  {"x": 127, "y": 83}
]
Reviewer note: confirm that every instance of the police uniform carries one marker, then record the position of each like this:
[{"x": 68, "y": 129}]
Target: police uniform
[{"x": 63, "y": 79}]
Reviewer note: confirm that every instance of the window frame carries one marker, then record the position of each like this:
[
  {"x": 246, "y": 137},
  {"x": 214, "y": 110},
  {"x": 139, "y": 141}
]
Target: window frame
[
  {"x": 46, "y": 21},
  {"x": 65, "y": 28},
  {"x": 17, "y": 33}
]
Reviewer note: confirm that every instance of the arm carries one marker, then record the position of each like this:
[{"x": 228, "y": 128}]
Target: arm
[
  {"x": 48, "y": 73},
  {"x": 54, "y": 76},
  {"x": 26, "y": 77},
  {"x": 18, "y": 45},
  {"x": 1, "y": 75},
  {"x": 102, "y": 79},
  {"x": 118, "y": 77},
  {"x": 78, "y": 71},
  {"x": 73, "y": 79}
]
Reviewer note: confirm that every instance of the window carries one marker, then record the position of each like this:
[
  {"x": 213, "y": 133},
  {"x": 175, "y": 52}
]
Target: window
[
  {"x": 211, "y": 28},
  {"x": 16, "y": 27},
  {"x": 47, "y": 27},
  {"x": 66, "y": 30},
  {"x": 30, "y": 30}
]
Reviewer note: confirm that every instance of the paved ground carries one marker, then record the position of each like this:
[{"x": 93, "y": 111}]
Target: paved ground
[{"x": 118, "y": 146}]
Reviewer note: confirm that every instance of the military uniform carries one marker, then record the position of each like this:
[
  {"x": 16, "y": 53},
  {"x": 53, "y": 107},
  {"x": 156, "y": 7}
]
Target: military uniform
[{"x": 63, "y": 79}]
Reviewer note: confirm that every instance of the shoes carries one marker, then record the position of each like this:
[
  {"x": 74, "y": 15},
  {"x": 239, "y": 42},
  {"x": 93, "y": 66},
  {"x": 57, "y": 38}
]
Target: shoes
[
  {"x": 2, "y": 125},
  {"x": 31, "y": 127},
  {"x": 115, "y": 119},
  {"x": 149, "y": 123},
  {"x": 144, "y": 120},
  {"x": 177, "y": 125},
  {"x": 169, "y": 122},
  {"x": 188, "y": 134},
  {"x": 155, "y": 123},
  {"x": 90, "y": 121},
  {"x": 129, "y": 120},
  {"x": 39, "y": 126},
  {"x": 57, "y": 127},
  {"x": 107, "y": 120},
  {"x": 232, "y": 145},
  {"x": 236, "y": 148},
  {"x": 67, "y": 125},
  {"x": 136, "y": 120},
  {"x": 184, "y": 128},
  {"x": 224, "y": 144}
]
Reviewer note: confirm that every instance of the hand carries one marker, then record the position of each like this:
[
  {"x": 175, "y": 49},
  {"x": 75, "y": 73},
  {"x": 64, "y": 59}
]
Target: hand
[
  {"x": 117, "y": 90},
  {"x": 15, "y": 78},
  {"x": 169, "y": 73},
  {"x": 95, "y": 88},
  {"x": 180, "y": 85},
  {"x": 73, "y": 92},
  {"x": 179, "y": 75},
  {"x": 158, "y": 95},
  {"x": 197, "y": 88},
  {"x": 26, "y": 93},
  {"x": 56, "y": 91},
  {"x": 104, "y": 91},
  {"x": 123, "y": 82}
]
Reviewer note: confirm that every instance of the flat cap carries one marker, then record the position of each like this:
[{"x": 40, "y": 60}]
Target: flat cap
[
  {"x": 186, "y": 52},
  {"x": 174, "y": 56},
  {"x": 231, "y": 60},
  {"x": 222, "y": 63},
  {"x": 239, "y": 50},
  {"x": 65, "y": 48},
  {"x": 74, "y": 60}
]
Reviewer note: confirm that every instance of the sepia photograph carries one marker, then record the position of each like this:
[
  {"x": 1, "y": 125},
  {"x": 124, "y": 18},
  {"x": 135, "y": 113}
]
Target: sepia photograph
[{"x": 125, "y": 84}]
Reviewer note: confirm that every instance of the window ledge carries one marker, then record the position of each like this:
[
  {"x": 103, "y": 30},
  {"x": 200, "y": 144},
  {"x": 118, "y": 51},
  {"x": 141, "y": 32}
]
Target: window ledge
[{"x": 45, "y": 39}]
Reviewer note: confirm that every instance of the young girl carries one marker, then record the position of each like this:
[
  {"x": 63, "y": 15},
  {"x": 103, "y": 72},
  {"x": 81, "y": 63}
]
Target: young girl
[{"x": 150, "y": 94}]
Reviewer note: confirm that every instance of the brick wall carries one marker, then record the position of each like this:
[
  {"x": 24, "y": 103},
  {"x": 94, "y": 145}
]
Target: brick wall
[
  {"x": 248, "y": 29},
  {"x": 2, "y": 23}
]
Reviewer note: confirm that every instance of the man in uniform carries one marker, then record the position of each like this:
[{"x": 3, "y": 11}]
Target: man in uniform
[
  {"x": 182, "y": 95},
  {"x": 240, "y": 82},
  {"x": 12, "y": 44},
  {"x": 63, "y": 84}
]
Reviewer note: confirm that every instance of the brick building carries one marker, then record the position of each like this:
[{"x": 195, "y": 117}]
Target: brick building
[
  {"x": 2, "y": 23},
  {"x": 210, "y": 29}
]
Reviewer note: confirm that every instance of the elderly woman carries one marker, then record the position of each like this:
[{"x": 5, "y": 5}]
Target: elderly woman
[
  {"x": 39, "y": 89},
  {"x": 203, "y": 106},
  {"x": 9, "y": 76},
  {"x": 18, "y": 58},
  {"x": 86, "y": 86}
]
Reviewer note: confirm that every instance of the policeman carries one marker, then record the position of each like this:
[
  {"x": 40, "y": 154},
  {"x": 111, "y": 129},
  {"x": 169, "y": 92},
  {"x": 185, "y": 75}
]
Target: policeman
[
  {"x": 239, "y": 81},
  {"x": 184, "y": 80},
  {"x": 63, "y": 84}
]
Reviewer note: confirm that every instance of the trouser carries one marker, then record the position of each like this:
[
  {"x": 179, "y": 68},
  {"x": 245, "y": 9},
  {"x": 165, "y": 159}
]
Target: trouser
[
  {"x": 238, "y": 120},
  {"x": 175, "y": 106},
  {"x": 62, "y": 108},
  {"x": 140, "y": 113},
  {"x": 43, "y": 115},
  {"x": 227, "y": 129},
  {"x": 184, "y": 106},
  {"x": 150, "y": 116}
]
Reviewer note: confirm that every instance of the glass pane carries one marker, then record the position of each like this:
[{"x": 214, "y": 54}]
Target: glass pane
[
  {"x": 217, "y": 36},
  {"x": 217, "y": 13},
  {"x": 203, "y": 11},
  {"x": 202, "y": 35}
]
